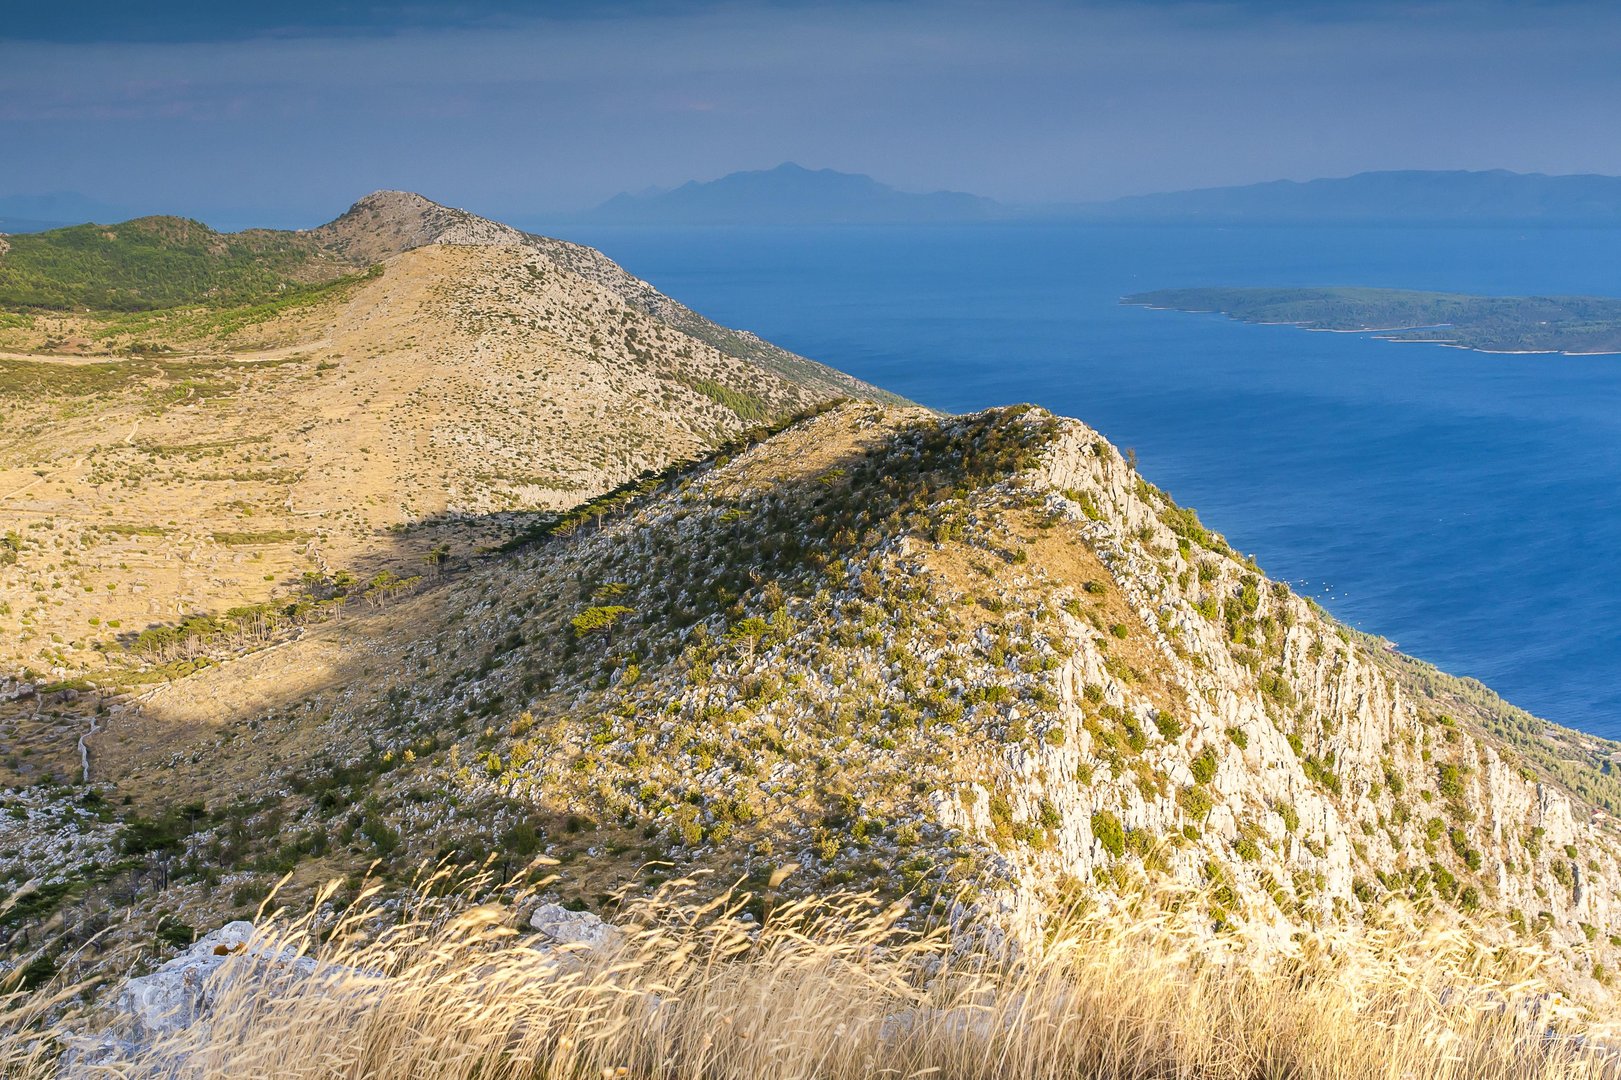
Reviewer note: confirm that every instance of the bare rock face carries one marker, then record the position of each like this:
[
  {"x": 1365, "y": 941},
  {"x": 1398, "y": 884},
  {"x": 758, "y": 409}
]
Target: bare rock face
[
  {"x": 182, "y": 992},
  {"x": 16, "y": 690},
  {"x": 560, "y": 926}
]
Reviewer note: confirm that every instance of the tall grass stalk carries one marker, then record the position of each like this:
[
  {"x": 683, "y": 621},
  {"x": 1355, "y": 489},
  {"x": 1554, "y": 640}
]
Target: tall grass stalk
[{"x": 837, "y": 987}]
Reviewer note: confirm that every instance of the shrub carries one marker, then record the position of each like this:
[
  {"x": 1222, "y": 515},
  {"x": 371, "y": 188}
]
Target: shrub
[
  {"x": 1195, "y": 801},
  {"x": 1108, "y": 831}
]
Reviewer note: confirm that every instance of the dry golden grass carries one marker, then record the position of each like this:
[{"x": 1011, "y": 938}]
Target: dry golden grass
[
  {"x": 459, "y": 385},
  {"x": 836, "y": 988}
]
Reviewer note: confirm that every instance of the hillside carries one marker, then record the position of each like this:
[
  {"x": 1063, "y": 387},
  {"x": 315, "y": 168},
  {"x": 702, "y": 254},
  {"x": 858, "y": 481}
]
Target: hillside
[
  {"x": 160, "y": 468},
  {"x": 482, "y": 555},
  {"x": 1412, "y": 196},
  {"x": 154, "y": 262},
  {"x": 791, "y": 195},
  {"x": 1553, "y": 324},
  {"x": 976, "y": 656}
]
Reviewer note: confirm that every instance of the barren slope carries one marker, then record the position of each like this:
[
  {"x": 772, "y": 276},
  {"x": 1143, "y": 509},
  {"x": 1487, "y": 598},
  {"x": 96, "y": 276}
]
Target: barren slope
[
  {"x": 140, "y": 489},
  {"x": 979, "y": 655}
]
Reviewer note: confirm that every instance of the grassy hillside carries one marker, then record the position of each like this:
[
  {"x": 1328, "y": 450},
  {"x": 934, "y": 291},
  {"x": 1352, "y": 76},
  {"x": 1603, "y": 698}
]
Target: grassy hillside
[
  {"x": 836, "y": 990},
  {"x": 155, "y": 262},
  {"x": 1575, "y": 324},
  {"x": 354, "y": 425}
]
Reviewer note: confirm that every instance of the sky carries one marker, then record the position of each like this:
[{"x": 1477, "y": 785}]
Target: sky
[{"x": 284, "y": 114}]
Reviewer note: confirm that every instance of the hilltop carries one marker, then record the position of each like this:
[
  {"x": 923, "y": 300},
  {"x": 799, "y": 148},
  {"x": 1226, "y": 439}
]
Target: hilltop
[
  {"x": 791, "y": 195},
  {"x": 265, "y": 406}
]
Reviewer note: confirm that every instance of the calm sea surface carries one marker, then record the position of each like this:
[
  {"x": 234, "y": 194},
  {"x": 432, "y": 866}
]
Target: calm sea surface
[{"x": 1467, "y": 506}]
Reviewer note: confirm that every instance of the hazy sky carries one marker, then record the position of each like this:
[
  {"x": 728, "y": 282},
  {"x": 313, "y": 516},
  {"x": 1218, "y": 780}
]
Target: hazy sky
[{"x": 288, "y": 114}]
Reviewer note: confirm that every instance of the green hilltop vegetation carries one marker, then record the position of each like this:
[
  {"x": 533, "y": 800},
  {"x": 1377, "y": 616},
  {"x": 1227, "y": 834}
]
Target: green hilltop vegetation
[
  {"x": 1568, "y": 324},
  {"x": 156, "y": 262}
]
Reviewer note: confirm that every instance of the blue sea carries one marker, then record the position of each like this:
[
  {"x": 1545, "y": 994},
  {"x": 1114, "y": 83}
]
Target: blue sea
[{"x": 1466, "y": 506}]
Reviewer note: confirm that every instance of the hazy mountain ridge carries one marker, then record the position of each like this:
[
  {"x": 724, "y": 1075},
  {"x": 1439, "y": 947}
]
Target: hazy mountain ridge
[
  {"x": 792, "y": 195},
  {"x": 19, "y": 225},
  {"x": 1403, "y": 196}
]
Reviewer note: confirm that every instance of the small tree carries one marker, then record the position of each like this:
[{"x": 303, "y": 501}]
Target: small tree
[
  {"x": 598, "y": 620},
  {"x": 747, "y": 634},
  {"x": 437, "y": 558}
]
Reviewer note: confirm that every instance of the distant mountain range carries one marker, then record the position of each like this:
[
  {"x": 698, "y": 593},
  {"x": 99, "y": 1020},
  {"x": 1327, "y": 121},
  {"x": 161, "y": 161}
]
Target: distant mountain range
[
  {"x": 1411, "y": 196},
  {"x": 15, "y": 225},
  {"x": 792, "y": 195}
]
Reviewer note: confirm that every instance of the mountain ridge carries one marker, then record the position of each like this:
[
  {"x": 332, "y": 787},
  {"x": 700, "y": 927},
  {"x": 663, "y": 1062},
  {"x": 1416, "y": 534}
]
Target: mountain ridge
[
  {"x": 472, "y": 371},
  {"x": 1417, "y": 196},
  {"x": 1046, "y": 681},
  {"x": 790, "y": 194}
]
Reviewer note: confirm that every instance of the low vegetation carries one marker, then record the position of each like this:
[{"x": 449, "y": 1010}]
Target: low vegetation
[{"x": 155, "y": 262}]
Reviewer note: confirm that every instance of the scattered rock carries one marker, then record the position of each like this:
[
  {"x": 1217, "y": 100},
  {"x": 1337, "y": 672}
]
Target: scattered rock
[
  {"x": 182, "y": 991},
  {"x": 560, "y": 926},
  {"x": 16, "y": 691},
  {"x": 179, "y": 995}
]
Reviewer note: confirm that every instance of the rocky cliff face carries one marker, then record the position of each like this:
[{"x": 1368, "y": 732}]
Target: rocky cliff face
[{"x": 1290, "y": 762}]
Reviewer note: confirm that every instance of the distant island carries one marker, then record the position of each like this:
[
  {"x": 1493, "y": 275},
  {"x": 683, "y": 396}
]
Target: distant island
[
  {"x": 1412, "y": 196},
  {"x": 792, "y": 195},
  {"x": 1499, "y": 324}
]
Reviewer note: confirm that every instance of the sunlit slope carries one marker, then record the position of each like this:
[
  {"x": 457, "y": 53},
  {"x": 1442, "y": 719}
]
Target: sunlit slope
[
  {"x": 975, "y": 656},
  {"x": 160, "y": 464}
]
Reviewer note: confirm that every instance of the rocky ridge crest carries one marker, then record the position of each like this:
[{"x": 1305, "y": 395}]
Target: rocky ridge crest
[{"x": 978, "y": 657}]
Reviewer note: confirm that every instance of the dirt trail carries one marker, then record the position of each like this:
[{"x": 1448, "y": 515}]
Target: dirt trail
[{"x": 72, "y": 465}]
